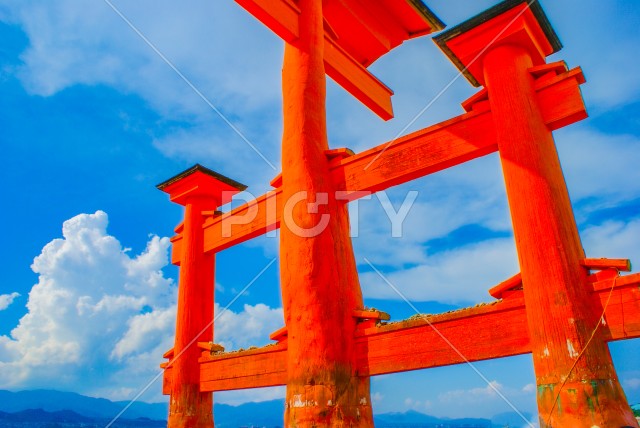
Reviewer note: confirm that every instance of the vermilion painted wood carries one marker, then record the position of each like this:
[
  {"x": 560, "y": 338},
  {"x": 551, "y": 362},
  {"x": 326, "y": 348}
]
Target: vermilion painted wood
[
  {"x": 319, "y": 281},
  {"x": 200, "y": 191},
  {"x": 188, "y": 406},
  {"x": 505, "y": 286},
  {"x": 357, "y": 80},
  {"x": 484, "y": 332},
  {"x": 518, "y": 25},
  {"x": 368, "y": 30},
  {"x": 560, "y": 315},
  {"x": 318, "y": 358},
  {"x": 622, "y": 265},
  {"x": 279, "y": 335},
  {"x": 255, "y": 368},
  {"x": 364, "y": 34},
  {"x": 282, "y": 17},
  {"x": 491, "y": 331},
  {"x": 432, "y": 149}
]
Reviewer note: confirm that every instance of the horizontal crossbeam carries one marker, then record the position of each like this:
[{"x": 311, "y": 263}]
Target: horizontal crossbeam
[
  {"x": 483, "y": 332},
  {"x": 421, "y": 153},
  {"x": 282, "y": 17}
]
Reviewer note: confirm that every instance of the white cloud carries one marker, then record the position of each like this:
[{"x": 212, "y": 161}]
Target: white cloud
[
  {"x": 460, "y": 276},
  {"x": 88, "y": 288},
  {"x": 250, "y": 327},
  {"x": 377, "y": 397},
  {"x": 473, "y": 394},
  {"x": 216, "y": 45},
  {"x": 415, "y": 404},
  {"x": 99, "y": 319},
  {"x": 488, "y": 399},
  {"x": 463, "y": 275},
  {"x": 145, "y": 331},
  {"x": 72, "y": 43},
  {"x": 600, "y": 167},
  {"x": 471, "y": 194},
  {"x": 613, "y": 239},
  {"x": 7, "y": 299}
]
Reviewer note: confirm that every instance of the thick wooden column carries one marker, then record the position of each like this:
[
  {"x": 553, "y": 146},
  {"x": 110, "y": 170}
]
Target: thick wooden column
[
  {"x": 188, "y": 407},
  {"x": 561, "y": 315},
  {"x": 577, "y": 385},
  {"x": 201, "y": 191},
  {"x": 319, "y": 280}
]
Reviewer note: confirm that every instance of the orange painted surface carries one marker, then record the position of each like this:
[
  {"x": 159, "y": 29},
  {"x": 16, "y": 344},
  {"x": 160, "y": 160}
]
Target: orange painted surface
[
  {"x": 560, "y": 315},
  {"x": 432, "y": 149},
  {"x": 188, "y": 406},
  {"x": 502, "y": 290},
  {"x": 330, "y": 345},
  {"x": 320, "y": 287},
  {"x": 355, "y": 36},
  {"x": 622, "y": 265},
  {"x": 199, "y": 193},
  {"x": 282, "y": 17},
  {"x": 413, "y": 344},
  {"x": 517, "y": 26}
]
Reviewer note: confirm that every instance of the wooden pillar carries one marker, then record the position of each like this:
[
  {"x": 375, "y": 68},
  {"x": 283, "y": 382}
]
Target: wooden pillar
[
  {"x": 201, "y": 191},
  {"x": 577, "y": 386},
  {"x": 319, "y": 280},
  {"x": 560, "y": 313}
]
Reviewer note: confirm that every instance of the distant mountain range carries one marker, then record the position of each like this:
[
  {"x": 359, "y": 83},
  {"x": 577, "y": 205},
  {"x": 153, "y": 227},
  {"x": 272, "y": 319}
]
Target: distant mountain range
[
  {"x": 55, "y": 401},
  {"x": 37, "y": 418},
  {"x": 49, "y": 408}
]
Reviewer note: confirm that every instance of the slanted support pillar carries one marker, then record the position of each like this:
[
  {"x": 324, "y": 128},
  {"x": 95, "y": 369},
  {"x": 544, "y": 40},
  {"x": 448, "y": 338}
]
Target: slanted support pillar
[
  {"x": 200, "y": 191},
  {"x": 577, "y": 385},
  {"x": 319, "y": 280}
]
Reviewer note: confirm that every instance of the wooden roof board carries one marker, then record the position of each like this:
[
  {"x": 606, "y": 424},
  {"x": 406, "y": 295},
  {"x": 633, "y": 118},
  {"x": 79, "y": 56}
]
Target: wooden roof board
[
  {"x": 504, "y": 6},
  {"x": 199, "y": 168},
  {"x": 367, "y": 30}
]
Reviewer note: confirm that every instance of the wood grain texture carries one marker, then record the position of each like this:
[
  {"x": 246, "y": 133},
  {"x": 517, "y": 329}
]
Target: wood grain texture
[
  {"x": 282, "y": 17},
  {"x": 421, "y": 153},
  {"x": 490, "y": 331},
  {"x": 561, "y": 317}
]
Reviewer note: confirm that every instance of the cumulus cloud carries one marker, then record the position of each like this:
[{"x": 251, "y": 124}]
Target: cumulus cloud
[
  {"x": 88, "y": 288},
  {"x": 99, "y": 319},
  {"x": 7, "y": 299}
]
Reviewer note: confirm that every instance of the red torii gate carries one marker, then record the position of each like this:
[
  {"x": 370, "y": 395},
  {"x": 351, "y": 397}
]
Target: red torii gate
[{"x": 331, "y": 345}]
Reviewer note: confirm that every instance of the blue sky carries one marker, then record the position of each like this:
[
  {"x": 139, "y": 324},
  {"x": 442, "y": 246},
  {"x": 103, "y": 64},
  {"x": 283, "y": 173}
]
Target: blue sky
[{"x": 92, "y": 119}]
